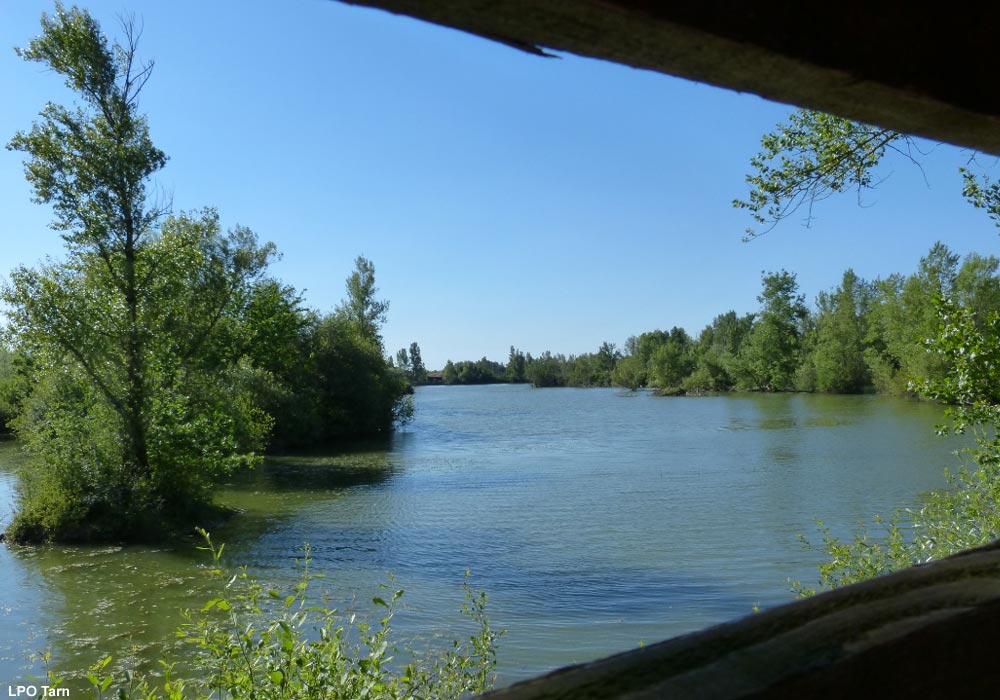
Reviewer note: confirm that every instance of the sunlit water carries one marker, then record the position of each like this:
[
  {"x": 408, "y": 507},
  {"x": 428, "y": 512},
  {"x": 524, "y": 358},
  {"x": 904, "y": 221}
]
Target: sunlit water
[{"x": 596, "y": 520}]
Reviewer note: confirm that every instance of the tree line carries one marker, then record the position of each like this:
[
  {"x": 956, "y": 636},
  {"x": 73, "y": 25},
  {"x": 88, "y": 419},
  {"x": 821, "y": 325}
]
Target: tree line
[{"x": 862, "y": 336}]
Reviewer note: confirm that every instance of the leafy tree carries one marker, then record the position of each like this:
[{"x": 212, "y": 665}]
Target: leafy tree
[
  {"x": 418, "y": 373},
  {"x": 361, "y": 308},
  {"x": 482, "y": 371},
  {"x": 717, "y": 351},
  {"x": 815, "y": 155},
  {"x": 516, "y": 363},
  {"x": 605, "y": 359},
  {"x": 128, "y": 420},
  {"x": 630, "y": 372},
  {"x": 355, "y": 389},
  {"x": 672, "y": 361},
  {"x": 277, "y": 334},
  {"x": 840, "y": 332},
  {"x": 809, "y": 158},
  {"x": 727, "y": 333},
  {"x": 13, "y": 387},
  {"x": 902, "y": 316},
  {"x": 403, "y": 360},
  {"x": 769, "y": 356},
  {"x": 977, "y": 284},
  {"x": 111, "y": 459},
  {"x": 358, "y": 393},
  {"x": 547, "y": 370},
  {"x": 647, "y": 343}
]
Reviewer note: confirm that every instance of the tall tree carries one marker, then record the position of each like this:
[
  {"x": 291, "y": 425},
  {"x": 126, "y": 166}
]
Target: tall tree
[
  {"x": 840, "y": 333},
  {"x": 129, "y": 416},
  {"x": 769, "y": 356},
  {"x": 361, "y": 308},
  {"x": 403, "y": 360},
  {"x": 516, "y": 364},
  {"x": 92, "y": 164},
  {"x": 716, "y": 352},
  {"x": 672, "y": 361},
  {"x": 903, "y": 316},
  {"x": 418, "y": 373}
]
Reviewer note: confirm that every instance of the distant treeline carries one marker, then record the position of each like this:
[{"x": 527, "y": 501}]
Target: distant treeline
[{"x": 862, "y": 336}]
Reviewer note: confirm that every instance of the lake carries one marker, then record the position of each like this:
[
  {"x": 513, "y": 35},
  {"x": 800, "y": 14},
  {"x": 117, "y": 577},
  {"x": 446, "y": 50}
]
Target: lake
[{"x": 596, "y": 520}]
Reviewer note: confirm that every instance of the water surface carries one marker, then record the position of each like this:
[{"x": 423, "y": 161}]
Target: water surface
[{"x": 595, "y": 519}]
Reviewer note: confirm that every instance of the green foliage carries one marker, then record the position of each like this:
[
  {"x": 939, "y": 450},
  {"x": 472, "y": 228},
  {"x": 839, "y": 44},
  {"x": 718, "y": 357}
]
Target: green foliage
[
  {"x": 964, "y": 515},
  {"x": 838, "y": 356},
  {"x": 327, "y": 378},
  {"x": 967, "y": 513},
  {"x": 516, "y": 366},
  {"x": 809, "y": 158},
  {"x": 151, "y": 360},
  {"x": 769, "y": 356},
  {"x": 586, "y": 370},
  {"x": 672, "y": 361},
  {"x": 970, "y": 340},
  {"x": 357, "y": 392},
  {"x": 903, "y": 315},
  {"x": 403, "y": 360},
  {"x": 717, "y": 352},
  {"x": 252, "y": 642},
  {"x": 482, "y": 371},
  {"x": 361, "y": 309},
  {"x": 130, "y": 418},
  {"x": 271, "y": 329},
  {"x": 630, "y": 372},
  {"x": 411, "y": 364},
  {"x": 418, "y": 372},
  {"x": 13, "y": 388},
  {"x": 547, "y": 370},
  {"x": 981, "y": 193}
]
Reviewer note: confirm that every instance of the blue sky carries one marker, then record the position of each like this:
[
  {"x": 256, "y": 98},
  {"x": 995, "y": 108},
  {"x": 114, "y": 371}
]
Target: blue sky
[{"x": 505, "y": 199}]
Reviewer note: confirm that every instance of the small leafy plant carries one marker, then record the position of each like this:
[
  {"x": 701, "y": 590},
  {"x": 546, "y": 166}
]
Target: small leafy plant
[{"x": 255, "y": 643}]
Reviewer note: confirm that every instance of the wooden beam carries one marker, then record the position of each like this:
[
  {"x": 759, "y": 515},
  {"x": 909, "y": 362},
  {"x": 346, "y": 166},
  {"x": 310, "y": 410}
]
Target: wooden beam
[{"x": 885, "y": 63}]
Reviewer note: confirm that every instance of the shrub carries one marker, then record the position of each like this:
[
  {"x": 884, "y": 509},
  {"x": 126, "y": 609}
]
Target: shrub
[{"x": 252, "y": 642}]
